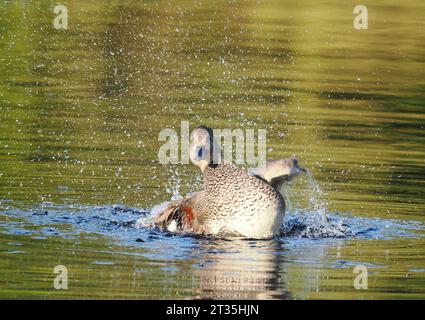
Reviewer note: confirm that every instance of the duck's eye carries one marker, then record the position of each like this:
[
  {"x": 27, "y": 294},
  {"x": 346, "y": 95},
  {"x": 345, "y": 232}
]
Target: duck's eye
[{"x": 200, "y": 153}]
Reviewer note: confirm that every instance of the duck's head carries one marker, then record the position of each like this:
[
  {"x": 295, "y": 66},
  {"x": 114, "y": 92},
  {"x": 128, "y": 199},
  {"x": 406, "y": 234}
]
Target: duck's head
[{"x": 204, "y": 149}]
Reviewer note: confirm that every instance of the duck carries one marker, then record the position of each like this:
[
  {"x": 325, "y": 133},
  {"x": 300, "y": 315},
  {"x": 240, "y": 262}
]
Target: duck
[{"x": 234, "y": 201}]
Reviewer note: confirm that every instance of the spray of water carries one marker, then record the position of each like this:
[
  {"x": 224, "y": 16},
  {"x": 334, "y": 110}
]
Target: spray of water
[
  {"x": 312, "y": 219},
  {"x": 315, "y": 194},
  {"x": 312, "y": 195},
  {"x": 174, "y": 184}
]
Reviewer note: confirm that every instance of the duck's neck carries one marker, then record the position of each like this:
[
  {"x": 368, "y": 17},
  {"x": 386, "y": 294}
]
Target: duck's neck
[{"x": 205, "y": 165}]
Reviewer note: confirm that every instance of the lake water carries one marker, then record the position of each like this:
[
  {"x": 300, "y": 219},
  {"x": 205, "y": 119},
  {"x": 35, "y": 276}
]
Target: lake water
[{"x": 81, "y": 110}]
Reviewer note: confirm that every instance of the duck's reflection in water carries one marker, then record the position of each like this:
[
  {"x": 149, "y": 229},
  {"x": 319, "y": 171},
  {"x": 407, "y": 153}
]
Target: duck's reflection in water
[
  {"x": 272, "y": 269},
  {"x": 240, "y": 269}
]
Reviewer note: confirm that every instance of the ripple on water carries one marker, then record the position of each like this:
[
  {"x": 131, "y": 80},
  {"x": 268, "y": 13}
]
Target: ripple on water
[
  {"x": 103, "y": 263},
  {"x": 128, "y": 225}
]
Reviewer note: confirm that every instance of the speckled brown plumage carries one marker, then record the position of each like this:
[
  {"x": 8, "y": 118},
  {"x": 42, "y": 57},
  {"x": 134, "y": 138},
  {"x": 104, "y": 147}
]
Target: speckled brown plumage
[{"x": 232, "y": 201}]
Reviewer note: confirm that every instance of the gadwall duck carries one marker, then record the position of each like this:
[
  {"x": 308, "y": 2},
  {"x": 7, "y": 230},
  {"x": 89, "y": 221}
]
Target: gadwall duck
[{"x": 233, "y": 202}]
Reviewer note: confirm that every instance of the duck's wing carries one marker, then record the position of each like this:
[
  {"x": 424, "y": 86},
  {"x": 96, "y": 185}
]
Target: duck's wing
[{"x": 277, "y": 172}]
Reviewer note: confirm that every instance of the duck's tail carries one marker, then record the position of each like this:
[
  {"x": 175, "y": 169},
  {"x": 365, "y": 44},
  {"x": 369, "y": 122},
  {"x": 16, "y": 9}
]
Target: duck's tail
[
  {"x": 178, "y": 216},
  {"x": 173, "y": 211}
]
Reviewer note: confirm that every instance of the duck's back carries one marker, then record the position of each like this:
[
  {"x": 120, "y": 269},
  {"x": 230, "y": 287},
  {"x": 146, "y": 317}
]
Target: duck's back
[{"x": 233, "y": 200}]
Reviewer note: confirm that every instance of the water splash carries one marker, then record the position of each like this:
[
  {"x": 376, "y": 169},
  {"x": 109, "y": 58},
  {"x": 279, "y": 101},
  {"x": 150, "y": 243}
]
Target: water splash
[
  {"x": 127, "y": 225},
  {"x": 315, "y": 225},
  {"x": 315, "y": 195},
  {"x": 174, "y": 184},
  {"x": 314, "y": 207},
  {"x": 147, "y": 221},
  {"x": 288, "y": 203}
]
